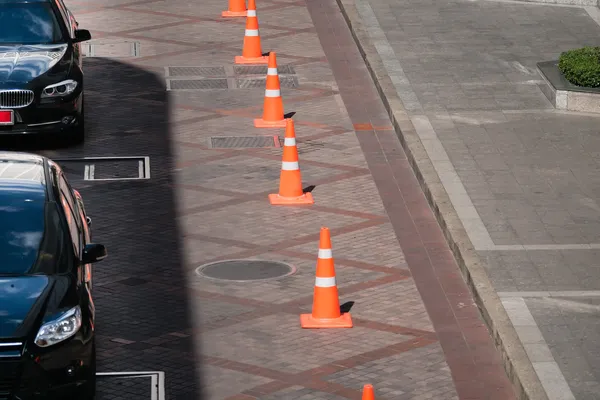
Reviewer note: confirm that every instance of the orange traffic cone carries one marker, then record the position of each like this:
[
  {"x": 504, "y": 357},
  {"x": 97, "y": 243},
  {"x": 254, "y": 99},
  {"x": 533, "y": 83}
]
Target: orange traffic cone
[
  {"x": 273, "y": 106},
  {"x": 290, "y": 180},
  {"x": 368, "y": 393},
  {"x": 237, "y": 8},
  {"x": 251, "y": 53},
  {"x": 326, "y": 304}
]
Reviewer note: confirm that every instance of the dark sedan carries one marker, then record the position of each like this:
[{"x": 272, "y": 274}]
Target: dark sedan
[
  {"x": 41, "y": 77},
  {"x": 47, "y": 348}
]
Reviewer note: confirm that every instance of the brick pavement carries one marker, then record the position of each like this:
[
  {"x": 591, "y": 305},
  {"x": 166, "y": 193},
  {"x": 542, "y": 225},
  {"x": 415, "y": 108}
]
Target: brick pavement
[
  {"x": 417, "y": 334},
  {"x": 516, "y": 182}
]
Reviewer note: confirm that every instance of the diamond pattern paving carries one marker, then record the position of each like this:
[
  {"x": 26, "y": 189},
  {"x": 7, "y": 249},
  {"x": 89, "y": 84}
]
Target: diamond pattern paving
[
  {"x": 264, "y": 226},
  {"x": 222, "y": 382},
  {"x": 403, "y": 308},
  {"x": 402, "y": 377},
  {"x": 243, "y": 341},
  {"x": 301, "y": 393},
  {"x": 286, "y": 289},
  {"x": 275, "y": 342},
  {"x": 366, "y": 246},
  {"x": 125, "y": 20}
]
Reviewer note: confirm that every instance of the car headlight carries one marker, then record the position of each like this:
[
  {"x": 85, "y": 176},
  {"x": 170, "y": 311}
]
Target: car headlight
[
  {"x": 59, "y": 89},
  {"x": 60, "y": 329}
]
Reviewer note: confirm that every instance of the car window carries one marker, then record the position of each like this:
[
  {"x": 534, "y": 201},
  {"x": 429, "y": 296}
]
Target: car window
[
  {"x": 29, "y": 23},
  {"x": 71, "y": 212},
  {"x": 66, "y": 190},
  {"x": 63, "y": 246},
  {"x": 22, "y": 229},
  {"x": 33, "y": 235},
  {"x": 73, "y": 229}
]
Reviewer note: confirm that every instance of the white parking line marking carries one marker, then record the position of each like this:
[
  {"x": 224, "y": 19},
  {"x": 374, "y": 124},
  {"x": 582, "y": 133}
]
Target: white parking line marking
[{"x": 537, "y": 349}]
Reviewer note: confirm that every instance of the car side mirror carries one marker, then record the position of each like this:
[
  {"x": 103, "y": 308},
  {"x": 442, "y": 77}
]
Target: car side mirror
[
  {"x": 93, "y": 253},
  {"x": 82, "y": 35}
]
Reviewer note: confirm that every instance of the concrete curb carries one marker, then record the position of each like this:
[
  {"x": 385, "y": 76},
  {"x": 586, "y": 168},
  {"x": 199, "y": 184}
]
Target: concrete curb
[{"x": 516, "y": 362}]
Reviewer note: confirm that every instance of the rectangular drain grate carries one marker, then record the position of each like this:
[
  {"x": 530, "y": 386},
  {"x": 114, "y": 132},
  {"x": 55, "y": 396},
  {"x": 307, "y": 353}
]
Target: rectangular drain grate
[
  {"x": 116, "y": 168},
  {"x": 116, "y": 50},
  {"x": 125, "y": 168},
  {"x": 196, "y": 71},
  {"x": 112, "y": 170},
  {"x": 141, "y": 385},
  {"x": 289, "y": 82},
  {"x": 262, "y": 70},
  {"x": 196, "y": 84},
  {"x": 231, "y": 142}
]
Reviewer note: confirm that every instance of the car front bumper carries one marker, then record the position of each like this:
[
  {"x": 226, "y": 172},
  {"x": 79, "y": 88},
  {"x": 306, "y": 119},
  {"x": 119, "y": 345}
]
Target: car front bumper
[
  {"x": 59, "y": 373},
  {"x": 46, "y": 118}
]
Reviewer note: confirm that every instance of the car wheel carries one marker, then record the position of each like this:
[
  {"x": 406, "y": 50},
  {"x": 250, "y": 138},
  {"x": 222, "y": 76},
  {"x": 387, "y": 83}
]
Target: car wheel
[{"x": 88, "y": 390}]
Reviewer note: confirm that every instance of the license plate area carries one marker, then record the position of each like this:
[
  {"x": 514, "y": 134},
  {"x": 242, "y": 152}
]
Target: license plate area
[{"x": 7, "y": 117}]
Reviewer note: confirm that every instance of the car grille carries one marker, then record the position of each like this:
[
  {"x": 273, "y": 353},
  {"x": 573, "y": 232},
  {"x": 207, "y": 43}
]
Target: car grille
[
  {"x": 15, "y": 98},
  {"x": 10, "y": 354}
]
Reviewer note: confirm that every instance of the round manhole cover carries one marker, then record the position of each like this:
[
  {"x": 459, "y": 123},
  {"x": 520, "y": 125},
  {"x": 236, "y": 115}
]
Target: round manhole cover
[{"x": 245, "y": 270}]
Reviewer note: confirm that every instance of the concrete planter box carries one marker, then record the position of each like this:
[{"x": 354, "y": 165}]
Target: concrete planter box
[{"x": 563, "y": 94}]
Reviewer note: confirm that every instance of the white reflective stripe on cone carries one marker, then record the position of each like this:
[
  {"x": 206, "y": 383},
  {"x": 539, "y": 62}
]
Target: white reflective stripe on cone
[
  {"x": 251, "y": 13},
  {"x": 325, "y": 253},
  {"x": 251, "y": 32},
  {"x": 272, "y": 93},
  {"x": 289, "y": 141},
  {"x": 325, "y": 282},
  {"x": 272, "y": 71},
  {"x": 290, "y": 165}
]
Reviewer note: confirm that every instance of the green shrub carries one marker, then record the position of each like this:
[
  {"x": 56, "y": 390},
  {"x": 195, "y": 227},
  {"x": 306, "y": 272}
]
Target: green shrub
[{"x": 581, "y": 67}]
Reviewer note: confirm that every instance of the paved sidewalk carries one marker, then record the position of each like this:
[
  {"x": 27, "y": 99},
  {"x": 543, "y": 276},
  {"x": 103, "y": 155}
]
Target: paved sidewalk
[
  {"x": 522, "y": 178},
  {"x": 418, "y": 333}
]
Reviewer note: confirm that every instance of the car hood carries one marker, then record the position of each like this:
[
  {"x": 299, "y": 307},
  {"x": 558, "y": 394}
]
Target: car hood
[
  {"x": 25, "y": 299},
  {"x": 22, "y": 64}
]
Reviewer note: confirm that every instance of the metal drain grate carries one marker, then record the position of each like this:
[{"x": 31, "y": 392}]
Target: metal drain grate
[
  {"x": 196, "y": 71},
  {"x": 196, "y": 84},
  {"x": 125, "y": 168},
  {"x": 141, "y": 385},
  {"x": 230, "y": 142},
  {"x": 116, "y": 50},
  {"x": 117, "y": 168},
  {"x": 262, "y": 70},
  {"x": 289, "y": 82}
]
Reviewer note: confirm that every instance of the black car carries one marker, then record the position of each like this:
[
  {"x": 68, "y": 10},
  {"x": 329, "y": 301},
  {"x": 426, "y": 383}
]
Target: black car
[
  {"x": 41, "y": 77},
  {"x": 47, "y": 347}
]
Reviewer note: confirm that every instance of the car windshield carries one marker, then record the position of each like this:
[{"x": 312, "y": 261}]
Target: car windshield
[
  {"x": 21, "y": 233},
  {"x": 30, "y": 233},
  {"x": 28, "y": 23}
]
